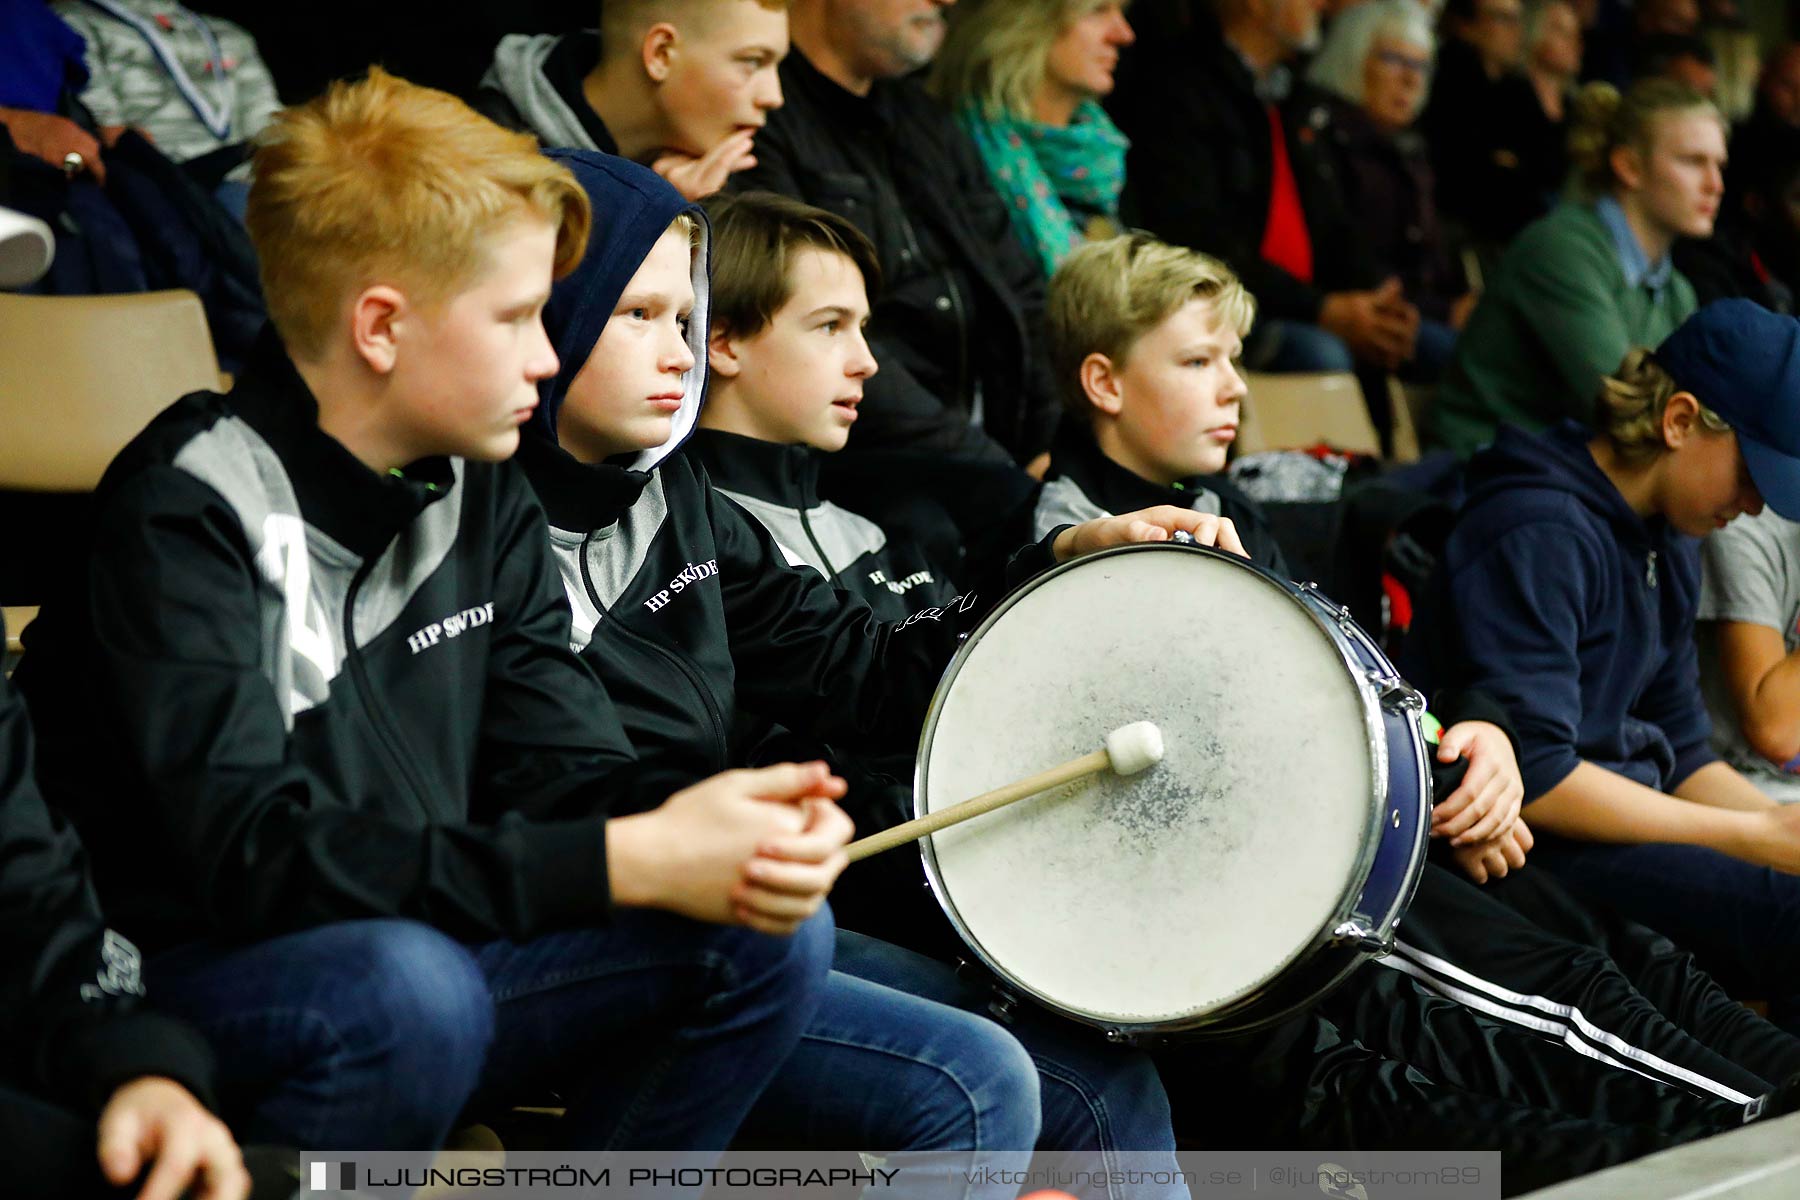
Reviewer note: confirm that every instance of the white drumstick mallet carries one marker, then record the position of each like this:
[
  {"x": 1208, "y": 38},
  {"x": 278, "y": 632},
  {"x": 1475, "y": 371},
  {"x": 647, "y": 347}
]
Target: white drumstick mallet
[{"x": 1129, "y": 749}]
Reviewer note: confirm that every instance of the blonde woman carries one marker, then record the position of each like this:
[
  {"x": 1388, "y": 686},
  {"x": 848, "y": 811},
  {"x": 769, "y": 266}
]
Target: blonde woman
[
  {"x": 1025, "y": 78},
  {"x": 1592, "y": 279}
]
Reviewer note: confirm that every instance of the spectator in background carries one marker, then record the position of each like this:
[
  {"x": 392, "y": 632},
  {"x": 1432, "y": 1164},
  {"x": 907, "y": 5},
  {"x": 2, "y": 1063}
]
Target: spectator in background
[
  {"x": 1553, "y": 61},
  {"x": 1684, "y": 58},
  {"x": 127, "y": 218},
  {"x": 1377, "y": 60},
  {"x": 1771, "y": 226},
  {"x": 1229, "y": 155},
  {"x": 1595, "y": 277},
  {"x": 681, "y": 87},
  {"x": 1769, "y": 132},
  {"x": 1614, "y": 46},
  {"x": 41, "y": 61},
  {"x": 196, "y": 86},
  {"x": 1497, "y": 156},
  {"x": 959, "y": 324},
  {"x": 1025, "y": 78}
]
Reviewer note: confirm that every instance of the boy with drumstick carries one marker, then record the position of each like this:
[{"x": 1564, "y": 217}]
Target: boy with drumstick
[
  {"x": 1145, "y": 337},
  {"x": 313, "y": 705}
]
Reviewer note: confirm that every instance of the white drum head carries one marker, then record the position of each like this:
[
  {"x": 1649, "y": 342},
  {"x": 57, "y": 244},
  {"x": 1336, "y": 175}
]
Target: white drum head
[{"x": 1153, "y": 899}]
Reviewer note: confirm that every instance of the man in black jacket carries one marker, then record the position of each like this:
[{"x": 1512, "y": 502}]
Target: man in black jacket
[
  {"x": 959, "y": 326},
  {"x": 1230, "y": 155},
  {"x": 77, "y": 1040}
]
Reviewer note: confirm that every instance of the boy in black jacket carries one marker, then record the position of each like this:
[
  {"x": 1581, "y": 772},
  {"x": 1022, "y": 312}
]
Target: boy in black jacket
[
  {"x": 1146, "y": 337},
  {"x": 314, "y": 708},
  {"x": 787, "y": 360},
  {"x": 78, "y": 1041}
]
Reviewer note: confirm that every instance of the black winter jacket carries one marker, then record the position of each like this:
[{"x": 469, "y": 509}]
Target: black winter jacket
[
  {"x": 290, "y": 691},
  {"x": 961, "y": 307},
  {"x": 779, "y": 486},
  {"x": 1199, "y": 168},
  {"x": 71, "y": 1021}
]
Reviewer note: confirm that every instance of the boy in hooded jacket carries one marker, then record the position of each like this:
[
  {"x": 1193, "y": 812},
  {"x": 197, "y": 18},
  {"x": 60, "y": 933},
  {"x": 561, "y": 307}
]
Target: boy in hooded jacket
[
  {"x": 313, "y": 706},
  {"x": 692, "y": 614},
  {"x": 1569, "y": 589}
]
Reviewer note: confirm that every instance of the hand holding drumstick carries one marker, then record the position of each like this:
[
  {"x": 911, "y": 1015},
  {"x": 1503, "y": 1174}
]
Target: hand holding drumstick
[{"x": 1128, "y": 750}]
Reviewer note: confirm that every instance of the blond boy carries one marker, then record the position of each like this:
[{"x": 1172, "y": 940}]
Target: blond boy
[
  {"x": 314, "y": 705},
  {"x": 1144, "y": 340},
  {"x": 679, "y": 85}
]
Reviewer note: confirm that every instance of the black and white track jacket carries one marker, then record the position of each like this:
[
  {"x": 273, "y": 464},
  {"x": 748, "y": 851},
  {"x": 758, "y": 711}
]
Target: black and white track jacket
[
  {"x": 290, "y": 691},
  {"x": 779, "y": 486},
  {"x": 692, "y": 615}
]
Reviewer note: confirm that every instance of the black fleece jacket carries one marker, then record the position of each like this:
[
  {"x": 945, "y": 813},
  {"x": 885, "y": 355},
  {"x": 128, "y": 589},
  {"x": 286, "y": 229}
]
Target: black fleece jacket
[{"x": 289, "y": 691}]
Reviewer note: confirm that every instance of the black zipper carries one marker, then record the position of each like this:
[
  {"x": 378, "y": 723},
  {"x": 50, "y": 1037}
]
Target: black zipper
[
  {"x": 957, "y": 306},
  {"x": 830, "y": 571},
  {"x": 721, "y": 742},
  {"x": 387, "y": 734}
]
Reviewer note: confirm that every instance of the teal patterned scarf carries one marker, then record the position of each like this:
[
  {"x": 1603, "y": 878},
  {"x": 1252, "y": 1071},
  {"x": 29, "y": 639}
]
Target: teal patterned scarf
[{"x": 1039, "y": 170}]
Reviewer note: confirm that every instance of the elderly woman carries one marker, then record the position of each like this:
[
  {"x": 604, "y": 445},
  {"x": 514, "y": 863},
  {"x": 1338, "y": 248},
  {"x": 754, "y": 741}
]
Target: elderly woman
[
  {"x": 1025, "y": 78},
  {"x": 1377, "y": 61}
]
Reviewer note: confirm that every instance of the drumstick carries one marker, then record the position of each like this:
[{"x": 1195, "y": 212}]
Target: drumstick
[{"x": 1128, "y": 750}]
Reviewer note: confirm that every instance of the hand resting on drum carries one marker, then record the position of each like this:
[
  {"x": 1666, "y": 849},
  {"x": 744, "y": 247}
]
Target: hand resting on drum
[
  {"x": 1487, "y": 801},
  {"x": 1157, "y": 524},
  {"x": 759, "y": 848}
]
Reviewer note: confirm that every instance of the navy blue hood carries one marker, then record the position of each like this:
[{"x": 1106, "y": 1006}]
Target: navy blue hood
[
  {"x": 633, "y": 205},
  {"x": 1556, "y": 461}
]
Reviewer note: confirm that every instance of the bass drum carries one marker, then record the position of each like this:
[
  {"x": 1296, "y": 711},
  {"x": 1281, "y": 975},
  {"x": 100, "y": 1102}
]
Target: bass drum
[{"x": 1272, "y": 850}]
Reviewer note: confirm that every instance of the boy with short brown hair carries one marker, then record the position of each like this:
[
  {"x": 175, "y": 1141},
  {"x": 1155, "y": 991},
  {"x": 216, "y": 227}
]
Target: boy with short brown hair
[{"x": 314, "y": 706}]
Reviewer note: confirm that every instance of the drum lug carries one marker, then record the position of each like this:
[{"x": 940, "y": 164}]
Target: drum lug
[
  {"x": 1359, "y": 932},
  {"x": 1120, "y": 1037},
  {"x": 1002, "y": 1006},
  {"x": 1396, "y": 695}
]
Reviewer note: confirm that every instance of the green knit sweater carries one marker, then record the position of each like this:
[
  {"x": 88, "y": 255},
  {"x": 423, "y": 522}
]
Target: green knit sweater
[{"x": 1556, "y": 316}]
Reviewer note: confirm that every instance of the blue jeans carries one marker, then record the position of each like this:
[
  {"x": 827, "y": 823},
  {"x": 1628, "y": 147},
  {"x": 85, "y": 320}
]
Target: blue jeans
[
  {"x": 375, "y": 1035},
  {"x": 1741, "y": 921},
  {"x": 1096, "y": 1097},
  {"x": 660, "y": 1033}
]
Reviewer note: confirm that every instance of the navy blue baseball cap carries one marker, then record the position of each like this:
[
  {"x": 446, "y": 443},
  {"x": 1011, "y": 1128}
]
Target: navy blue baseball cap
[{"x": 1743, "y": 362}]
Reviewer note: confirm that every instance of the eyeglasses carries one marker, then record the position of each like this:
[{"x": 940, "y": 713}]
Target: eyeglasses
[{"x": 1402, "y": 62}]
